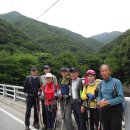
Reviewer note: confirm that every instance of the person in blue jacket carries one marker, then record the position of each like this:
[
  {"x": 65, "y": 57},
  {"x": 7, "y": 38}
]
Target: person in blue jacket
[{"x": 110, "y": 99}]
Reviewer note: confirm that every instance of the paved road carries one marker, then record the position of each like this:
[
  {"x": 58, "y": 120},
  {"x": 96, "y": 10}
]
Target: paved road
[{"x": 12, "y": 118}]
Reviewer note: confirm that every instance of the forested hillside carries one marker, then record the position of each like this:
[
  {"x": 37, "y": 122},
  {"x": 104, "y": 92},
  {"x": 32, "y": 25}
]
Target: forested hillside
[
  {"x": 51, "y": 39},
  {"x": 18, "y": 53},
  {"x": 117, "y": 54}
]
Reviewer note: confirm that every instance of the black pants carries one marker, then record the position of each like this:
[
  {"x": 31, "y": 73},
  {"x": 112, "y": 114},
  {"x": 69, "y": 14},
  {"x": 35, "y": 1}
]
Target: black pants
[
  {"x": 44, "y": 115},
  {"x": 79, "y": 117},
  {"x": 94, "y": 118},
  {"x": 31, "y": 102},
  {"x": 112, "y": 117}
]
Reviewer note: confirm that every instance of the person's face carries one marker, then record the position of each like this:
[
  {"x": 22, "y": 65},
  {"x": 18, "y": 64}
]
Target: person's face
[
  {"x": 105, "y": 72},
  {"x": 64, "y": 74},
  {"x": 90, "y": 78},
  {"x": 48, "y": 79},
  {"x": 34, "y": 72},
  {"x": 74, "y": 75},
  {"x": 47, "y": 70}
]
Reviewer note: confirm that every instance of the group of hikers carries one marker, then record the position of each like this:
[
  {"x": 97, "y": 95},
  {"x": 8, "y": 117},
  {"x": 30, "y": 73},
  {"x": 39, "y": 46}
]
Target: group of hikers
[{"x": 96, "y": 104}]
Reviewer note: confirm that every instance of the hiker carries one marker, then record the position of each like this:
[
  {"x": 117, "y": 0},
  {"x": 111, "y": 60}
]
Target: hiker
[
  {"x": 76, "y": 85},
  {"x": 89, "y": 96},
  {"x": 31, "y": 87},
  {"x": 65, "y": 101},
  {"x": 46, "y": 69},
  {"x": 50, "y": 95},
  {"x": 110, "y": 99}
]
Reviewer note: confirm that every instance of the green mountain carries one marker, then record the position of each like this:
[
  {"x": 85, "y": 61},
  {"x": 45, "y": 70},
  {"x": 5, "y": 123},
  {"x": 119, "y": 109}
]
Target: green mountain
[
  {"x": 117, "y": 54},
  {"x": 50, "y": 38},
  {"x": 106, "y": 37},
  {"x": 14, "y": 40}
]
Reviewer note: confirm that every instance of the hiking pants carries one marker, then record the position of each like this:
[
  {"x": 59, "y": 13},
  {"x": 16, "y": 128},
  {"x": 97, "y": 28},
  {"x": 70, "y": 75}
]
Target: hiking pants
[
  {"x": 79, "y": 117},
  {"x": 112, "y": 117},
  {"x": 31, "y": 102},
  {"x": 51, "y": 115},
  {"x": 94, "y": 118},
  {"x": 66, "y": 109},
  {"x": 44, "y": 116}
]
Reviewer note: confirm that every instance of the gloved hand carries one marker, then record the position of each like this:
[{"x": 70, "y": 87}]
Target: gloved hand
[
  {"x": 91, "y": 96},
  {"x": 65, "y": 96}
]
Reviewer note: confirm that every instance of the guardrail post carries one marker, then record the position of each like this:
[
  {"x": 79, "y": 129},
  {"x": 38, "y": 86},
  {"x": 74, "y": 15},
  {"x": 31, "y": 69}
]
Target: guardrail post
[
  {"x": 15, "y": 93},
  {"x": 4, "y": 87},
  {"x": 127, "y": 113}
]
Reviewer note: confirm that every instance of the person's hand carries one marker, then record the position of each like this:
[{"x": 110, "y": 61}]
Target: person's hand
[
  {"x": 65, "y": 96},
  {"x": 103, "y": 103},
  {"x": 82, "y": 109}
]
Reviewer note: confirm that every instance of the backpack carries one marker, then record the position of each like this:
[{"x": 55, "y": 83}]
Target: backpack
[{"x": 65, "y": 87}]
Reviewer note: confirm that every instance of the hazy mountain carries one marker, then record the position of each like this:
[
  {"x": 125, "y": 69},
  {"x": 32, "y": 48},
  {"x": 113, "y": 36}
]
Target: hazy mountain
[
  {"x": 107, "y": 37},
  {"x": 51, "y": 38}
]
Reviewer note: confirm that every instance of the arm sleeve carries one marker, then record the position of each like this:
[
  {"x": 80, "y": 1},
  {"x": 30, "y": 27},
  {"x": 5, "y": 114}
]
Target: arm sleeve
[
  {"x": 99, "y": 92},
  {"x": 26, "y": 85},
  {"x": 120, "y": 97},
  {"x": 84, "y": 93}
]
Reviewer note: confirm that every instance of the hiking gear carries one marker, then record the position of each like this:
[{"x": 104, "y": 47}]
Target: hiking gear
[
  {"x": 64, "y": 69},
  {"x": 63, "y": 116},
  {"x": 31, "y": 102},
  {"x": 48, "y": 75},
  {"x": 64, "y": 89},
  {"x": 90, "y": 72},
  {"x": 46, "y": 67},
  {"x": 27, "y": 128},
  {"x": 74, "y": 69},
  {"x": 91, "y": 96},
  {"x": 106, "y": 90},
  {"x": 34, "y": 68},
  {"x": 100, "y": 115},
  {"x": 36, "y": 126}
]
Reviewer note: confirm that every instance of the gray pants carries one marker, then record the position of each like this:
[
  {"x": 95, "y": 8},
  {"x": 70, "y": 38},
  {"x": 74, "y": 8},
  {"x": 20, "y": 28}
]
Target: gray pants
[{"x": 66, "y": 111}]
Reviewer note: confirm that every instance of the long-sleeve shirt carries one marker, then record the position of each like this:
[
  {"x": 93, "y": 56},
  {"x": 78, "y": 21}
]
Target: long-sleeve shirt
[
  {"x": 106, "y": 91},
  {"x": 90, "y": 89}
]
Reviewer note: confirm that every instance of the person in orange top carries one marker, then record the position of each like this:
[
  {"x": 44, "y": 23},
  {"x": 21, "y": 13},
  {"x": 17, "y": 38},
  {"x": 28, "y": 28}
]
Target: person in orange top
[{"x": 50, "y": 93}]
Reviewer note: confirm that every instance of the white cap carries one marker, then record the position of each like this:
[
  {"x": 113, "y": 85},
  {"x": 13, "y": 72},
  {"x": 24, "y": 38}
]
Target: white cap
[{"x": 48, "y": 75}]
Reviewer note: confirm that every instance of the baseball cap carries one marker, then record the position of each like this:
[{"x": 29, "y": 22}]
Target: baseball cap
[
  {"x": 74, "y": 69},
  {"x": 46, "y": 67},
  {"x": 34, "y": 68},
  {"x": 90, "y": 72},
  {"x": 64, "y": 69},
  {"x": 48, "y": 75}
]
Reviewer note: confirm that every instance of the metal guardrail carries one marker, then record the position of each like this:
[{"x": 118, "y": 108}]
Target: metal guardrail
[{"x": 12, "y": 91}]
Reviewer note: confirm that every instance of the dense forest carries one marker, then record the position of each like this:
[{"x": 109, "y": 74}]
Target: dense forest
[{"x": 40, "y": 44}]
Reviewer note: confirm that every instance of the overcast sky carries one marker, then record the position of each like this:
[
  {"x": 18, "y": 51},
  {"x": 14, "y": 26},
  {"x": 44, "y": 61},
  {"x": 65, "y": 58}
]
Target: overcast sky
[{"x": 86, "y": 17}]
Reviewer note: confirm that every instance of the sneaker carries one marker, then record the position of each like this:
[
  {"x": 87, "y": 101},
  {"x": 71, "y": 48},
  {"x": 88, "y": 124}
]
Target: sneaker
[
  {"x": 27, "y": 128},
  {"x": 36, "y": 126}
]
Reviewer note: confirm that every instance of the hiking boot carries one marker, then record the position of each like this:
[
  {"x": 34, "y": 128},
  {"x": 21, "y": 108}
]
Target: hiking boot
[
  {"x": 44, "y": 128},
  {"x": 36, "y": 126},
  {"x": 49, "y": 129},
  {"x": 27, "y": 128}
]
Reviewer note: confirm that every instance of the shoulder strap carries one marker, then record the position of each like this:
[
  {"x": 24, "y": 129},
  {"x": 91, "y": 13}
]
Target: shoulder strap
[{"x": 115, "y": 93}]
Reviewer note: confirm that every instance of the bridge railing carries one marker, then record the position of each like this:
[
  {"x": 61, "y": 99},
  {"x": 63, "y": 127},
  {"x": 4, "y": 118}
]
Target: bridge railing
[{"x": 12, "y": 91}]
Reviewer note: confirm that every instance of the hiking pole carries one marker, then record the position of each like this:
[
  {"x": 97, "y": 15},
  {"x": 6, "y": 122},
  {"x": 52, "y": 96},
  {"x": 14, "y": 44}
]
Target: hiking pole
[
  {"x": 88, "y": 106},
  {"x": 38, "y": 104},
  {"x": 54, "y": 126},
  {"x": 100, "y": 114},
  {"x": 63, "y": 116}
]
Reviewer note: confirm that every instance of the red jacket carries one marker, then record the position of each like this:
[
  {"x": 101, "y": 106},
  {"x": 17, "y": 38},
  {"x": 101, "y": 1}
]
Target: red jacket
[{"x": 49, "y": 92}]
